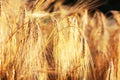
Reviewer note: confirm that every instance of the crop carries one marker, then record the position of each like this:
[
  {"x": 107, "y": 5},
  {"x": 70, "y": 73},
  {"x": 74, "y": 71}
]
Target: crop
[{"x": 66, "y": 44}]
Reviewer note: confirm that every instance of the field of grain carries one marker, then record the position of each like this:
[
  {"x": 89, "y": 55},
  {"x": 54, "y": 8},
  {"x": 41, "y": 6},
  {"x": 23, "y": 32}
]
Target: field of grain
[{"x": 66, "y": 44}]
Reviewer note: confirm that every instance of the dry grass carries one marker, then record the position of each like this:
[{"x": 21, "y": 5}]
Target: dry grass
[{"x": 63, "y": 45}]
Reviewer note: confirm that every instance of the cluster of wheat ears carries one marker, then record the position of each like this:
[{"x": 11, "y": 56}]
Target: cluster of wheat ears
[{"x": 67, "y": 44}]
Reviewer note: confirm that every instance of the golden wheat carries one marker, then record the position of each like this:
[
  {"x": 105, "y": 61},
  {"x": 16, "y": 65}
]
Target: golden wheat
[{"x": 62, "y": 45}]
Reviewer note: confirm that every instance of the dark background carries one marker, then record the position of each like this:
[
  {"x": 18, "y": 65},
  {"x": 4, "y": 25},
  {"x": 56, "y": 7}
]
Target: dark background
[
  {"x": 107, "y": 5},
  {"x": 110, "y": 5}
]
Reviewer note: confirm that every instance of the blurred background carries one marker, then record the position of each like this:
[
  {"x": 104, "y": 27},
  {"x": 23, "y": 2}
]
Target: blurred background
[
  {"x": 110, "y": 5},
  {"x": 105, "y": 5}
]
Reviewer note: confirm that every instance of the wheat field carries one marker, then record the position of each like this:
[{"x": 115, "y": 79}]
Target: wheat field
[{"x": 66, "y": 44}]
